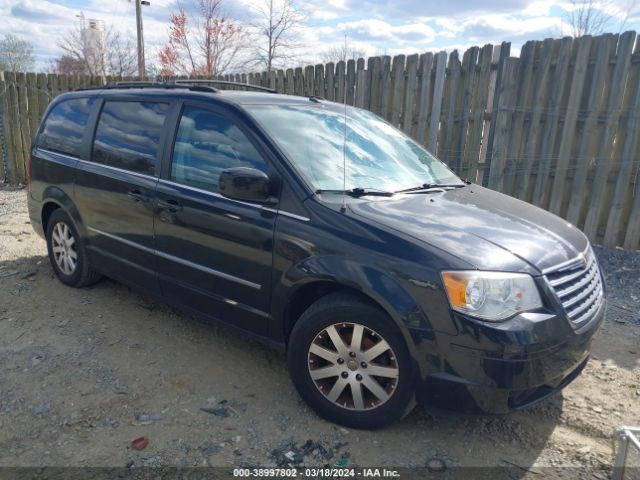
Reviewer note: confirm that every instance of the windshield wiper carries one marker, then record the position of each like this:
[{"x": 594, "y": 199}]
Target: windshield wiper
[
  {"x": 358, "y": 192},
  {"x": 432, "y": 186}
]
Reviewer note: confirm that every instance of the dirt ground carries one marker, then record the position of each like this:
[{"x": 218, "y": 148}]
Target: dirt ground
[{"x": 86, "y": 371}]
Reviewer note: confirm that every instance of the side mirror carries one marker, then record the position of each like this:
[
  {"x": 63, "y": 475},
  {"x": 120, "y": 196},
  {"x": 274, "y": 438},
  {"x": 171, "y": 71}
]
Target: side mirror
[{"x": 246, "y": 184}]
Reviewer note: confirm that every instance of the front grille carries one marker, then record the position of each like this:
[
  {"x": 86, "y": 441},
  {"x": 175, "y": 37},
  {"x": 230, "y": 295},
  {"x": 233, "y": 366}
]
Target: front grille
[{"x": 579, "y": 288}]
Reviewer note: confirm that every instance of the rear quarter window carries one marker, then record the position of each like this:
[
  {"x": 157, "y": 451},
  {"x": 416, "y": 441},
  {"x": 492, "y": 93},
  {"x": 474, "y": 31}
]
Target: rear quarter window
[{"x": 64, "y": 127}]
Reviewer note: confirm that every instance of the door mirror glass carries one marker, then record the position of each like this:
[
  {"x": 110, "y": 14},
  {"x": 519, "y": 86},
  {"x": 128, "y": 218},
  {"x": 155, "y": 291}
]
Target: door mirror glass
[{"x": 246, "y": 184}]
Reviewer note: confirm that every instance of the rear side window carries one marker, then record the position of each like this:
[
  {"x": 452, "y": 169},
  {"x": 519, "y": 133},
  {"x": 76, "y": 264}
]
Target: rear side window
[
  {"x": 64, "y": 127},
  {"x": 207, "y": 144},
  {"x": 128, "y": 135}
]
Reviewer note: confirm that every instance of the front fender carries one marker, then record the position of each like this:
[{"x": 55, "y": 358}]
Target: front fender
[{"x": 374, "y": 283}]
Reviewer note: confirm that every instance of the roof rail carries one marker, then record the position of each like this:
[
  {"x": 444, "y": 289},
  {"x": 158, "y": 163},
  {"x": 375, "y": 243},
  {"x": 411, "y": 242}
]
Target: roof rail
[
  {"x": 136, "y": 83},
  {"x": 118, "y": 85},
  {"x": 224, "y": 82}
]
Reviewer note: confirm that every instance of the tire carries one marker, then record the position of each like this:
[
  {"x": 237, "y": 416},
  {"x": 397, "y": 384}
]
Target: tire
[
  {"x": 67, "y": 253},
  {"x": 347, "y": 315}
]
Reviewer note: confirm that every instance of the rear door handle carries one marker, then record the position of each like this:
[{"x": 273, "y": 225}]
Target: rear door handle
[
  {"x": 138, "y": 196},
  {"x": 170, "y": 205}
]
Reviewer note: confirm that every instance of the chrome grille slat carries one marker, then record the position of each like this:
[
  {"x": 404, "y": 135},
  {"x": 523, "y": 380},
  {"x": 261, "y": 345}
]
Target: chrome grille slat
[
  {"x": 571, "y": 276},
  {"x": 593, "y": 309},
  {"x": 584, "y": 281},
  {"x": 585, "y": 293},
  {"x": 579, "y": 289},
  {"x": 580, "y": 308}
]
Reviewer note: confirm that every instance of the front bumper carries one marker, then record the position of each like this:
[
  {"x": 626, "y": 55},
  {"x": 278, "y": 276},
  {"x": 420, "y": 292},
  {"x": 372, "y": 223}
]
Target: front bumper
[{"x": 502, "y": 368}]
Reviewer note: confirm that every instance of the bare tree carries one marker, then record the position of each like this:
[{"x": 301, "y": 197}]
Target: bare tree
[
  {"x": 16, "y": 55},
  {"x": 122, "y": 55},
  {"x": 342, "y": 53},
  {"x": 213, "y": 46},
  {"x": 67, "y": 65},
  {"x": 593, "y": 17},
  {"x": 107, "y": 52},
  {"x": 275, "y": 26}
]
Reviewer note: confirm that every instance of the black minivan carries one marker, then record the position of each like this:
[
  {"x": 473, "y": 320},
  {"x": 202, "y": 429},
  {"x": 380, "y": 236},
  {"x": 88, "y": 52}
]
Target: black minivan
[{"x": 324, "y": 230}]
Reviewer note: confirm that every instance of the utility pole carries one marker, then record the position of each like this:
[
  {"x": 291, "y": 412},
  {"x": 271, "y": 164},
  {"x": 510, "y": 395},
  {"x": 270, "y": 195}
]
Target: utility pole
[
  {"x": 82, "y": 34},
  {"x": 139, "y": 3}
]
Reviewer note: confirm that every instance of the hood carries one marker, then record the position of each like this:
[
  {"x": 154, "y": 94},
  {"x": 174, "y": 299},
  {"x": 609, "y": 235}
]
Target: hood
[{"x": 486, "y": 229}]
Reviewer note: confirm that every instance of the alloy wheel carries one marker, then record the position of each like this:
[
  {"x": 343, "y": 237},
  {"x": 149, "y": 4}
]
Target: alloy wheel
[
  {"x": 353, "y": 366},
  {"x": 63, "y": 245}
]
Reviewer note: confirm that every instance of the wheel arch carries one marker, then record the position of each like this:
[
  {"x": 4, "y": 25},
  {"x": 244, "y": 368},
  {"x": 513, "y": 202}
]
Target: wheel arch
[
  {"x": 370, "y": 284},
  {"x": 307, "y": 294},
  {"x": 54, "y": 198}
]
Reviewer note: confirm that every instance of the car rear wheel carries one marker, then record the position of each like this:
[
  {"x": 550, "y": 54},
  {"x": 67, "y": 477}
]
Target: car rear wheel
[
  {"x": 67, "y": 253},
  {"x": 350, "y": 363}
]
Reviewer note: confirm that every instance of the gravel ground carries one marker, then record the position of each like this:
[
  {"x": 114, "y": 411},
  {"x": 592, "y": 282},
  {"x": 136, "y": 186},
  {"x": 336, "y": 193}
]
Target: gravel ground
[{"x": 86, "y": 371}]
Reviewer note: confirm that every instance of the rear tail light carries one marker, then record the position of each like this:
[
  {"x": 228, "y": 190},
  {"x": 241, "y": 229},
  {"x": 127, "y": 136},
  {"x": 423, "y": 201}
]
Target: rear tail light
[{"x": 29, "y": 172}]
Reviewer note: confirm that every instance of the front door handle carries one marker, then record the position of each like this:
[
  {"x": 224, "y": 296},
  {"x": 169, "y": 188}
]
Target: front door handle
[
  {"x": 170, "y": 205},
  {"x": 138, "y": 196}
]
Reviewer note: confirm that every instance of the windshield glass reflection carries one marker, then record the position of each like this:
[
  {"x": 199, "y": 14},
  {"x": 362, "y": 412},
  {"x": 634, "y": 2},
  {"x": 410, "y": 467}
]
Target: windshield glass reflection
[{"x": 378, "y": 156}]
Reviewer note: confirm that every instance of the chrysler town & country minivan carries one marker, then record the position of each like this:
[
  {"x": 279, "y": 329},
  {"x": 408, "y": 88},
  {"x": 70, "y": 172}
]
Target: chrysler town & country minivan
[{"x": 323, "y": 230}]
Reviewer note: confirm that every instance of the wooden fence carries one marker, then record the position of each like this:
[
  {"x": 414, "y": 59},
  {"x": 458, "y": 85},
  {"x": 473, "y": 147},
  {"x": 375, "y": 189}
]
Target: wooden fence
[{"x": 558, "y": 126}]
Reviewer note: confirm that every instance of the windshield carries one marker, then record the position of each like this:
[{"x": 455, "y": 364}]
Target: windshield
[{"x": 378, "y": 156}]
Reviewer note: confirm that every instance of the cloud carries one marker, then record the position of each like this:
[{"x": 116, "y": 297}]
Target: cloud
[
  {"x": 435, "y": 8},
  {"x": 375, "y": 30},
  {"x": 373, "y": 26},
  {"x": 39, "y": 12}
]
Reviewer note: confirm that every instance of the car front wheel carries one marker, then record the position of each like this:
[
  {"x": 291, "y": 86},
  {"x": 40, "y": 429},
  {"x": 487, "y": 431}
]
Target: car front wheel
[{"x": 350, "y": 363}]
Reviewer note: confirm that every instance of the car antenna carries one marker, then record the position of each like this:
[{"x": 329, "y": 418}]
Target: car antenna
[{"x": 344, "y": 136}]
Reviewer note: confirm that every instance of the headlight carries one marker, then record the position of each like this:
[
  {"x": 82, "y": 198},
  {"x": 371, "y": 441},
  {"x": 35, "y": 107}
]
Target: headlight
[{"x": 491, "y": 296}]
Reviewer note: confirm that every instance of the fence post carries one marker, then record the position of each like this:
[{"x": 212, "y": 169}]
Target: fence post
[
  {"x": 505, "y": 101},
  {"x": 319, "y": 81},
  {"x": 361, "y": 95},
  {"x": 351, "y": 81},
  {"x": 308, "y": 81},
  {"x": 463, "y": 105},
  {"x": 375, "y": 82},
  {"x": 424, "y": 96},
  {"x": 24, "y": 126},
  {"x": 397, "y": 90},
  {"x": 299, "y": 81},
  {"x": 479, "y": 98},
  {"x": 436, "y": 104},
  {"x": 410, "y": 95},
  {"x": 329, "y": 73},
  {"x": 44, "y": 97},
  {"x": 385, "y": 81},
  {"x": 13, "y": 120},
  {"x": 451, "y": 103},
  {"x": 522, "y": 100},
  {"x": 340, "y": 81},
  {"x": 503, "y": 53},
  {"x": 32, "y": 105}
]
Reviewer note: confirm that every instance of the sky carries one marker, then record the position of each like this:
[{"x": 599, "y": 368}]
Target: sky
[{"x": 372, "y": 26}]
